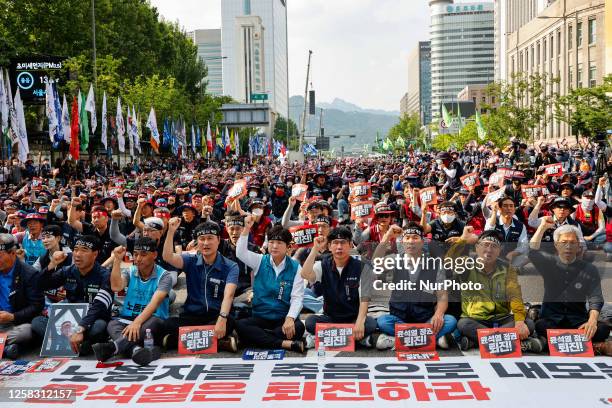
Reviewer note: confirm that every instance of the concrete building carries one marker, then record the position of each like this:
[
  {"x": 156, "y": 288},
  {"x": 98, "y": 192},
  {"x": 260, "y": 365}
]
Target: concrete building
[
  {"x": 273, "y": 15},
  {"x": 566, "y": 40},
  {"x": 404, "y": 105},
  {"x": 419, "y": 82},
  {"x": 462, "y": 48},
  {"x": 209, "y": 50},
  {"x": 477, "y": 94}
]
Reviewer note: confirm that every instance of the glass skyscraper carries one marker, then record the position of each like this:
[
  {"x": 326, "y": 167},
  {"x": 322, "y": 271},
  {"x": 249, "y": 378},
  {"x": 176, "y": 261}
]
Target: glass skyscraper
[
  {"x": 209, "y": 50},
  {"x": 462, "y": 48},
  {"x": 274, "y": 19}
]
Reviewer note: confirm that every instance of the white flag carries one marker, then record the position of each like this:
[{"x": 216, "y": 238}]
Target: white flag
[
  {"x": 193, "y": 139},
  {"x": 90, "y": 106},
  {"x": 79, "y": 103},
  {"x": 129, "y": 132},
  {"x": 4, "y": 108},
  {"x": 137, "y": 132},
  {"x": 50, "y": 108},
  {"x": 237, "y": 142},
  {"x": 152, "y": 125},
  {"x": 104, "y": 124},
  {"x": 66, "y": 121},
  {"x": 120, "y": 127},
  {"x": 22, "y": 135}
]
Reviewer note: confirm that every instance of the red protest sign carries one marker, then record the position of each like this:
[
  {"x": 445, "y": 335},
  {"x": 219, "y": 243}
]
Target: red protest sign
[
  {"x": 362, "y": 209},
  {"x": 470, "y": 180},
  {"x": 532, "y": 191},
  {"x": 569, "y": 343},
  {"x": 238, "y": 190},
  {"x": 299, "y": 191},
  {"x": 501, "y": 342},
  {"x": 496, "y": 179},
  {"x": 37, "y": 183},
  {"x": 335, "y": 336},
  {"x": 554, "y": 170},
  {"x": 197, "y": 340},
  {"x": 2, "y": 342},
  {"x": 47, "y": 365},
  {"x": 414, "y": 337},
  {"x": 429, "y": 194},
  {"x": 303, "y": 235},
  {"x": 417, "y": 356},
  {"x": 360, "y": 191}
]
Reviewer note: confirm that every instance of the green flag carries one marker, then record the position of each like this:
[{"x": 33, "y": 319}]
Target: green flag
[
  {"x": 446, "y": 116},
  {"x": 482, "y": 133},
  {"x": 84, "y": 124},
  {"x": 459, "y": 115},
  {"x": 399, "y": 142}
]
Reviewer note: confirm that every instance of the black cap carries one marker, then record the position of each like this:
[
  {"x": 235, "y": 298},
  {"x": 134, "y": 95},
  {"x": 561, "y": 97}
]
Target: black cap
[
  {"x": 278, "y": 233},
  {"x": 562, "y": 203},
  {"x": 340, "y": 233}
]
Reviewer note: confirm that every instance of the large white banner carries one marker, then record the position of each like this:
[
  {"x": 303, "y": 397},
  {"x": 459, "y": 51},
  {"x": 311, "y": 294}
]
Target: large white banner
[{"x": 350, "y": 382}]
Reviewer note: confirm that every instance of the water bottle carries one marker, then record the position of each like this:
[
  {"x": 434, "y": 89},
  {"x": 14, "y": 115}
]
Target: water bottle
[
  {"x": 321, "y": 352},
  {"x": 148, "y": 341}
]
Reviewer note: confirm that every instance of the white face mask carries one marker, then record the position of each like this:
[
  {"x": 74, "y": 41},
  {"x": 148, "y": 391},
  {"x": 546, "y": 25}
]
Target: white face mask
[
  {"x": 252, "y": 194},
  {"x": 257, "y": 212},
  {"x": 587, "y": 204},
  {"x": 289, "y": 183},
  {"x": 447, "y": 218}
]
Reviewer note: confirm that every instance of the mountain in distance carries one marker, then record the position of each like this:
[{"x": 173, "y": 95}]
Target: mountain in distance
[
  {"x": 341, "y": 104},
  {"x": 344, "y": 118}
]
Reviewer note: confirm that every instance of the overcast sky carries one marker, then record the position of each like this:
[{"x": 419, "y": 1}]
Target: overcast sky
[{"x": 360, "y": 47}]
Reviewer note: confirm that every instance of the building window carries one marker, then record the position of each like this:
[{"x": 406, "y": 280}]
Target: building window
[
  {"x": 558, "y": 42},
  {"x": 570, "y": 79},
  {"x": 579, "y": 34},
  {"x": 492, "y": 100},
  {"x": 538, "y": 53},
  {"x": 570, "y": 38},
  {"x": 552, "y": 47},
  {"x": 532, "y": 57},
  {"x": 592, "y": 31},
  {"x": 544, "y": 49},
  {"x": 579, "y": 75},
  {"x": 592, "y": 76}
]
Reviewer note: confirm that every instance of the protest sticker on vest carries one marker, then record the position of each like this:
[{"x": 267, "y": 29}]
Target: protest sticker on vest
[
  {"x": 532, "y": 191},
  {"x": 414, "y": 337},
  {"x": 237, "y": 191},
  {"x": 569, "y": 343},
  {"x": 418, "y": 356},
  {"x": 335, "y": 337},
  {"x": 299, "y": 191},
  {"x": 362, "y": 209},
  {"x": 429, "y": 194},
  {"x": 2, "y": 342},
  {"x": 496, "y": 179},
  {"x": 251, "y": 354},
  {"x": 470, "y": 180},
  {"x": 501, "y": 342},
  {"x": 303, "y": 235},
  {"x": 48, "y": 365},
  {"x": 360, "y": 191},
  {"x": 197, "y": 340},
  {"x": 554, "y": 170}
]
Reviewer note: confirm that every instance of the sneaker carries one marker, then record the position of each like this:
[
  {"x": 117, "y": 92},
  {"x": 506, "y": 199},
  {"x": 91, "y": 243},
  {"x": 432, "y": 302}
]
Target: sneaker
[
  {"x": 443, "y": 343},
  {"x": 228, "y": 343},
  {"x": 385, "y": 342},
  {"x": 532, "y": 344},
  {"x": 466, "y": 344},
  {"x": 602, "y": 348},
  {"x": 366, "y": 342},
  {"x": 11, "y": 351},
  {"x": 143, "y": 356},
  {"x": 104, "y": 351},
  {"x": 310, "y": 341}
]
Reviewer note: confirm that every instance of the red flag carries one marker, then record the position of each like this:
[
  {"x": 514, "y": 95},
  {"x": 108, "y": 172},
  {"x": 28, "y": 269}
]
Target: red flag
[
  {"x": 283, "y": 149},
  {"x": 75, "y": 147}
]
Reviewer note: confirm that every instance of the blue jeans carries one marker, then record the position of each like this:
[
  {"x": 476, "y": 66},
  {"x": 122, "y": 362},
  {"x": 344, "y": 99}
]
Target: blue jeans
[
  {"x": 343, "y": 207},
  {"x": 386, "y": 324},
  {"x": 312, "y": 302}
]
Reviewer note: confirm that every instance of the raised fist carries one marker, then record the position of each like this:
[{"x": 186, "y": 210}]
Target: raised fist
[
  {"x": 249, "y": 220},
  {"x": 117, "y": 215},
  {"x": 119, "y": 253},
  {"x": 58, "y": 257},
  {"x": 174, "y": 223},
  {"x": 319, "y": 243}
]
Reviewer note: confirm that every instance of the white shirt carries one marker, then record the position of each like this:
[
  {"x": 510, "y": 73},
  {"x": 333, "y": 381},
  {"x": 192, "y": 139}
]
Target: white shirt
[{"x": 253, "y": 261}]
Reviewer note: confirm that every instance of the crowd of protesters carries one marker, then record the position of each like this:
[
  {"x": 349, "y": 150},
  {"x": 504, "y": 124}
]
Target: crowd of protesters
[{"x": 119, "y": 238}]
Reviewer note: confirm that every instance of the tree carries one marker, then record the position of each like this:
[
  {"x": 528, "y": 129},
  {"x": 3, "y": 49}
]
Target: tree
[
  {"x": 280, "y": 133},
  {"x": 409, "y": 130},
  {"x": 523, "y": 103},
  {"x": 587, "y": 110}
]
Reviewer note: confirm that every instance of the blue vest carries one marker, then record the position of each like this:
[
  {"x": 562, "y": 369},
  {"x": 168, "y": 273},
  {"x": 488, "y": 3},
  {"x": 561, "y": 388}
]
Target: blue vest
[
  {"x": 139, "y": 294},
  {"x": 271, "y": 294},
  {"x": 33, "y": 248}
]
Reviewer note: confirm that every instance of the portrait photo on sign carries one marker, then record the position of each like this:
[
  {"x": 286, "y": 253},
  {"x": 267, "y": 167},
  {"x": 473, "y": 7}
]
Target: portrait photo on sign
[{"x": 63, "y": 322}]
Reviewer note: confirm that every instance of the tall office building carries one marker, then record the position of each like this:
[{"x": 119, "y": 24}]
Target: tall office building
[
  {"x": 462, "y": 48},
  {"x": 418, "y": 99},
  {"x": 209, "y": 50},
  {"x": 273, "y": 14},
  {"x": 565, "y": 40}
]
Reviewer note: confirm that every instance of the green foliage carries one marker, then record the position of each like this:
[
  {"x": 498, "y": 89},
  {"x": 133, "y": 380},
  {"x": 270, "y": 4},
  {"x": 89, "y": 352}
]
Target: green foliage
[
  {"x": 407, "y": 132},
  {"x": 587, "y": 110},
  {"x": 280, "y": 132}
]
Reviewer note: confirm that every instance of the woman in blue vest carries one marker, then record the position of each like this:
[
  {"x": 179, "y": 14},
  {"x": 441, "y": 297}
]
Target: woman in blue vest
[
  {"x": 145, "y": 307},
  {"x": 278, "y": 293},
  {"x": 342, "y": 282}
]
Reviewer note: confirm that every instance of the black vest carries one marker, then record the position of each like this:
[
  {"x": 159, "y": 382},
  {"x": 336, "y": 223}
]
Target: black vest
[
  {"x": 341, "y": 291},
  {"x": 513, "y": 235}
]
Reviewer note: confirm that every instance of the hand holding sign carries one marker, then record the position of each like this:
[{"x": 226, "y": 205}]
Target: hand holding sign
[
  {"x": 470, "y": 180},
  {"x": 428, "y": 196},
  {"x": 237, "y": 191},
  {"x": 298, "y": 191}
]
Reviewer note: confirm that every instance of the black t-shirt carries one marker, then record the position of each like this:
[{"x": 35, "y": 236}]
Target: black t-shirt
[
  {"x": 454, "y": 183},
  {"x": 105, "y": 240}
]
